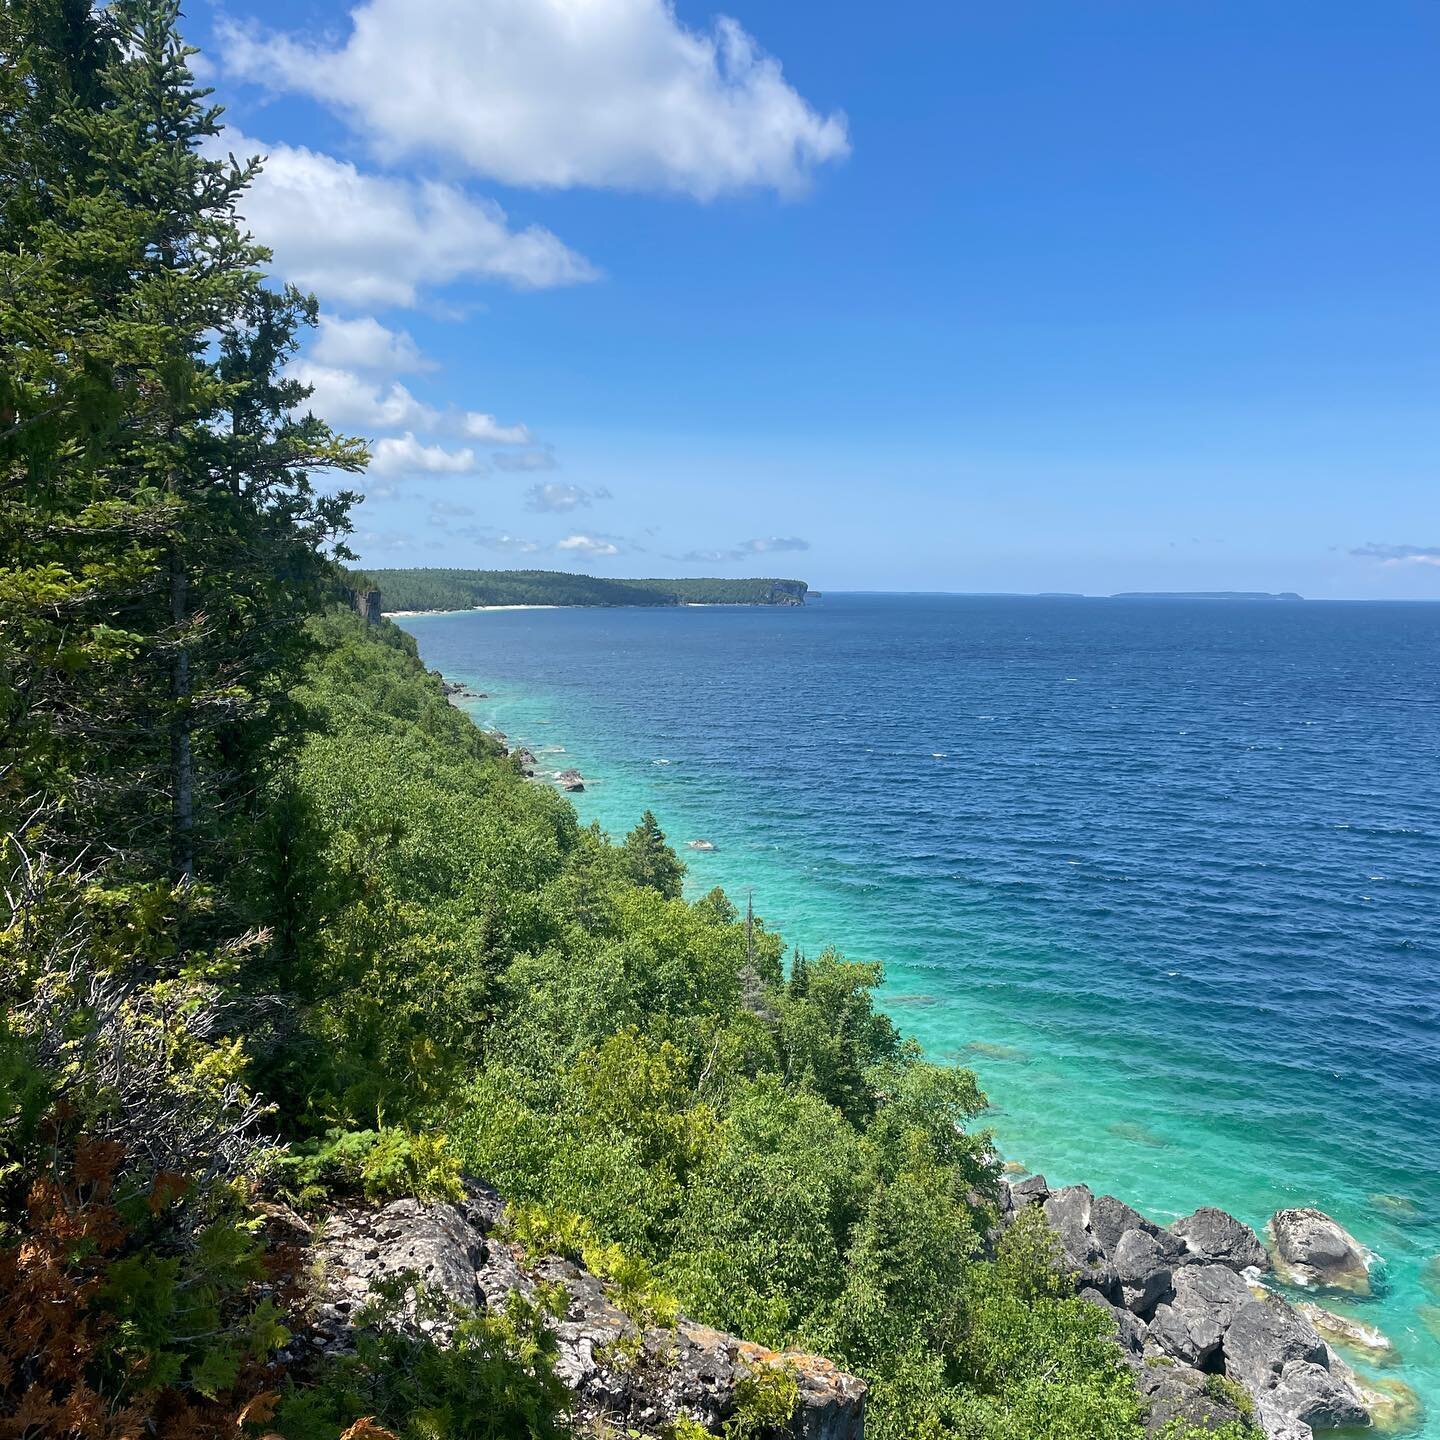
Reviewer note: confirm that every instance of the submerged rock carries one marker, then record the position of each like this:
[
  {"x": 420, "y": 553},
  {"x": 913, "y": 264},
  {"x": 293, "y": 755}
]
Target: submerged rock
[
  {"x": 1221, "y": 1239},
  {"x": 700, "y": 844},
  {"x": 1400, "y": 1208},
  {"x": 1355, "y": 1335},
  {"x": 1313, "y": 1249}
]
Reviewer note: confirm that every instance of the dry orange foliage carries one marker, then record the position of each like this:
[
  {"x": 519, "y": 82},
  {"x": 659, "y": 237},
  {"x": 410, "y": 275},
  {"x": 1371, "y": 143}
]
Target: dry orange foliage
[{"x": 53, "y": 1335}]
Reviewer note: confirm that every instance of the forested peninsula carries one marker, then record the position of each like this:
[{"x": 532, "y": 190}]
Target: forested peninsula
[
  {"x": 350, "y": 1087},
  {"x": 439, "y": 589}
]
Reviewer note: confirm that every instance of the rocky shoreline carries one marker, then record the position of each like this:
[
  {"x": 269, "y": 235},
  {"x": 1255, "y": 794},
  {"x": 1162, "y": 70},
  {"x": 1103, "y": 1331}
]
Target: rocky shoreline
[
  {"x": 1209, "y": 1338},
  {"x": 1197, "y": 1313}
]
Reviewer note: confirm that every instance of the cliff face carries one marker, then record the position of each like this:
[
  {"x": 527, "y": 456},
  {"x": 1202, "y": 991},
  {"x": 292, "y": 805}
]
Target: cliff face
[
  {"x": 366, "y": 604},
  {"x": 632, "y": 1378}
]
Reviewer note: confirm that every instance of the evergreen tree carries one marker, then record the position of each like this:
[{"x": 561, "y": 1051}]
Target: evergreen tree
[
  {"x": 161, "y": 539},
  {"x": 650, "y": 861}
]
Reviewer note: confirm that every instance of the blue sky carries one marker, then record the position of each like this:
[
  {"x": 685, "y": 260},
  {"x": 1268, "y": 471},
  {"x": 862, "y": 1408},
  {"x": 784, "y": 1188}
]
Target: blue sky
[{"x": 1048, "y": 295}]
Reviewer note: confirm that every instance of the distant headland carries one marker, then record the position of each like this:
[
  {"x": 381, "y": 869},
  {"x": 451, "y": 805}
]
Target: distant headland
[
  {"x": 1207, "y": 595},
  {"x": 439, "y": 589}
]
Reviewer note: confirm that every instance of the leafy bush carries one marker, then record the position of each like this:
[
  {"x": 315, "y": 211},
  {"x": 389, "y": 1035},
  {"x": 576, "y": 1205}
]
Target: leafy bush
[{"x": 379, "y": 1164}]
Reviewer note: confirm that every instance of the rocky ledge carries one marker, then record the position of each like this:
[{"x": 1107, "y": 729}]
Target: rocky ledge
[
  {"x": 629, "y": 1377},
  {"x": 1197, "y": 1324}
]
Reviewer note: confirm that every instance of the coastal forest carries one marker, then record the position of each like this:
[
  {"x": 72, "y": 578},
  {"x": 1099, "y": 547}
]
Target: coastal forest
[
  {"x": 439, "y": 589},
  {"x": 284, "y": 932}
]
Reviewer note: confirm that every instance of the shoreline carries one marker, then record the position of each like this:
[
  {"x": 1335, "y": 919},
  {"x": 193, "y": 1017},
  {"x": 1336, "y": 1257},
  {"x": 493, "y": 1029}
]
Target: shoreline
[
  {"x": 1127, "y": 1264},
  {"x": 681, "y": 605},
  {"x": 1396, "y": 1306}
]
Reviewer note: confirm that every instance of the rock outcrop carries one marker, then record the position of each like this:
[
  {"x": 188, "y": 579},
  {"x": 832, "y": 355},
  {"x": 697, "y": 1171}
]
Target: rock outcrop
[
  {"x": 635, "y": 1378},
  {"x": 1313, "y": 1249},
  {"x": 1191, "y": 1317},
  {"x": 1212, "y": 1235}
]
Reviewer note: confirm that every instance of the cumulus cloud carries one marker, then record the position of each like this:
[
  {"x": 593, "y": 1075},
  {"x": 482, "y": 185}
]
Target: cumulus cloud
[
  {"x": 366, "y": 405},
  {"x": 352, "y": 402},
  {"x": 528, "y": 461},
  {"x": 366, "y": 239},
  {"x": 553, "y": 498},
  {"x": 405, "y": 455},
  {"x": 363, "y": 343},
  {"x": 558, "y": 93},
  {"x": 490, "y": 431},
  {"x": 592, "y": 547},
  {"x": 745, "y": 550},
  {"x": 1399, "y": 554}
]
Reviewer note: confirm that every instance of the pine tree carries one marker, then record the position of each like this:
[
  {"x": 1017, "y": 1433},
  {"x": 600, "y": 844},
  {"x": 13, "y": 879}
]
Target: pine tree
[
  {"x": 161, "y": 539},
  {"x": 650, "y": 861}
]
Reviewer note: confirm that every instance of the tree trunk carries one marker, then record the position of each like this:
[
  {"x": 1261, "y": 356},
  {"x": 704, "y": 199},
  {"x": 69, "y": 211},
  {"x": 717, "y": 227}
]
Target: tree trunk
[{"x": 182, "y": 760}]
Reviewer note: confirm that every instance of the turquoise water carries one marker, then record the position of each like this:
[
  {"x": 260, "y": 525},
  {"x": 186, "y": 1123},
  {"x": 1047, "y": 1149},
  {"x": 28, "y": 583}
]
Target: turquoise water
[{"x": 1164, "y": 873}]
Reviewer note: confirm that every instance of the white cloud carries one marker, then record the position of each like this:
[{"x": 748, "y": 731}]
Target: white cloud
[
  {"x": 365, "y": 344},
  {"x": 558, "y": 93},
  {"x": 405, "y": 455},
  {"x": 366, "y": 239},
  {"x": 365, "y": 406},
  {"x": 351, "y": 402},
  {"x": 488, "y": 430},
  {"x": 528, "y": 461},
  {"x": 595, "y": 547},
  {"x": 1399, "y": 554},
  {"x": 556, "y": 499}
]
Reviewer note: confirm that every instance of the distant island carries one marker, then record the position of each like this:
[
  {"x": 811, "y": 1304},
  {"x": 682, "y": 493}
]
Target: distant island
[
  {"x": 1206, "y": 595},
  {"x": 401, "y": 590}
]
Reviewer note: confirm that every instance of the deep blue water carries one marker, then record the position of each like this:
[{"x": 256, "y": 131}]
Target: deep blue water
[{"x": 1167, "y": 874}]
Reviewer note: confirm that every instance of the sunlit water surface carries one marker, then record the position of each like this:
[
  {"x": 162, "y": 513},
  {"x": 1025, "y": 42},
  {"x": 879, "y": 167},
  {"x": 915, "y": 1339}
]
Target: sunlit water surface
[{"x": 1165, "y": 874}]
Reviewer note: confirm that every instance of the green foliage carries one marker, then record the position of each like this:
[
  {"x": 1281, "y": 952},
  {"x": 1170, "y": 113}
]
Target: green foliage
[
  {"x": 379, "y": 1164},
  {"x": 233, "y": 810},
  {"x": 637, "y": 1290},
  {"x": 649, "y": 861},
  {"x": 495, "y": 1381},
  {"x": 438, "y": 589}
]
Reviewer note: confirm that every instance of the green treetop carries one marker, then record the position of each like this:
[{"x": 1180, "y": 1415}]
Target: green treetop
[{"x": 650, "y": 861}]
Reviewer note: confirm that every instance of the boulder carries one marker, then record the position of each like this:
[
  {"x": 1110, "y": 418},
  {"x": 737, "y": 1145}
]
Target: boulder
[
  {"x": 1221, "y": 1239},
  {"x": 1143, "y": 1270},
  {"x": 1068, "y": 1211},
  {"x": 1313, "y": 1249},
  {"x": 1191, "y": 1325},
  {"x": 625, "y": 1375},
  {"x": 1314, "y": 1396},
  {"x": 571, "y": 780},
  {"x": 1275, "y": 1424},
  {"x": 1264, "y": 1337},
  {"x": 1111, "y": 1218},
  {"x": 1176, "y": 1393},
  {"x": 1032, "y": 1190},
  {"x": 1292, "y": 1374},
  {"x": 1129, "y": 1331}
]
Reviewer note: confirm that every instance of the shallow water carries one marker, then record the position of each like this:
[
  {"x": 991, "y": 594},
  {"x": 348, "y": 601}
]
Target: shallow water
[{"x": 1165, "y": 874}]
